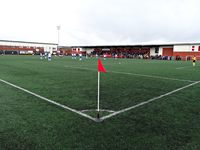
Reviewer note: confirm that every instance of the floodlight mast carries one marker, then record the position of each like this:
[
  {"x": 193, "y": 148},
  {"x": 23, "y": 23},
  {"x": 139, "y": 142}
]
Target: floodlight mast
[{"x": 58, "y": 29}]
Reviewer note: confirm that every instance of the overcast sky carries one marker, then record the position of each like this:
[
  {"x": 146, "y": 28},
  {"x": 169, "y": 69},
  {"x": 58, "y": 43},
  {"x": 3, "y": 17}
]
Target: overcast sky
[{"x": 100, "y": 22}]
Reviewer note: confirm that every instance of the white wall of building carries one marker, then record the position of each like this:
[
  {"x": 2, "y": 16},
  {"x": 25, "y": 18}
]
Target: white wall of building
[
  {"x": 152, "y": 52},
  {"x": 88, "y": 50},
  {"x": 160, "y": 51},
  {"x": 21, "y": 44},
  {"x": 49, "y": 49},
  {"x": 78, "y": 49},
  {"x": 186, "y": 48}
]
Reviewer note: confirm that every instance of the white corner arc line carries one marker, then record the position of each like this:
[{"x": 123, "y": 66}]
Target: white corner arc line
[
  {"x": 51, "y": 101},
  {"x": 134, "y": 74},
  {"x": 148, "y": 101},
  {"x": 106, "y": 110}
]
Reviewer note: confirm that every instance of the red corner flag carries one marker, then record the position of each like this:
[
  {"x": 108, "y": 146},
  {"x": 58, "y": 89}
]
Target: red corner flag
[{"x": 101, "y": 67}]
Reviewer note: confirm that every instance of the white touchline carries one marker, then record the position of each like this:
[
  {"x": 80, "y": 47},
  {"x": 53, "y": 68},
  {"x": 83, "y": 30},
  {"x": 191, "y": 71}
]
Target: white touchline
[
  {"x": 186, "y": 67},
  {"x": 151, "y": 76},
  {"x": 105, "y": 117},
  {"x": 51, "y": 101},
  {"x": 135, "y": 74},
  {"x": 148, "y": 101}
]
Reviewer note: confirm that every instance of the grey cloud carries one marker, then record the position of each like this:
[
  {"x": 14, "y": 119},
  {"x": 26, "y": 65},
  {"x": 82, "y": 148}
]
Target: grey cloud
[{"x": 95, "y": 22}]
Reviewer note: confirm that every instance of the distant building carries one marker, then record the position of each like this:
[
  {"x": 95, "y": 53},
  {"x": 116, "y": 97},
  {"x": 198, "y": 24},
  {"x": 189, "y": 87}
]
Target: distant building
[
  {"x": 23, "y": 47},
  {"x": 183, "y": 51},
  {"x": 175, "y": 50}
]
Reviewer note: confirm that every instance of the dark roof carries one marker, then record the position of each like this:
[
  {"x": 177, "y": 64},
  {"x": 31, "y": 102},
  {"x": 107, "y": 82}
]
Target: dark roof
[
  {"x": 27, "y": 42},
  {"x": 133, "y": 45},
  {"x": 107, "y": 46},
  {"x": 137, "y": 45}
]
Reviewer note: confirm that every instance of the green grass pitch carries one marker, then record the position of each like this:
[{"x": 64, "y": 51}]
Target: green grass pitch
[{"x": 169, "y": 122}]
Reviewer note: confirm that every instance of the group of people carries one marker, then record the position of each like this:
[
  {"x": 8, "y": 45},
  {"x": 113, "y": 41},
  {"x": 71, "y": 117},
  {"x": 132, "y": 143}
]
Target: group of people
[
  {"x": 74, "y": 56},
  {"x": 46, "y": 55}
]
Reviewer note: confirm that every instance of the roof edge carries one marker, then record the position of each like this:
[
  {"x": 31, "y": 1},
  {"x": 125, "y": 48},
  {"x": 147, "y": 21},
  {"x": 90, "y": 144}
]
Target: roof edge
[{"x": 27, "y": 42}]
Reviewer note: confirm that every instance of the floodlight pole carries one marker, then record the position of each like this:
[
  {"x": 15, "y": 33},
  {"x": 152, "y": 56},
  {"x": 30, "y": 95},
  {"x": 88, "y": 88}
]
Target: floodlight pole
[{"x": 58, "y": 29}]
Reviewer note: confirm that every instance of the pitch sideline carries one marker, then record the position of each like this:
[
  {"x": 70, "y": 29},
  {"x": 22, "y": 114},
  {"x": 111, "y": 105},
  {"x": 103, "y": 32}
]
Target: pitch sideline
[
  {"x": 105, "y": 117},
  {"x": 187, "y": 67},
  {"x": 135, "y": 74},
  {"x": 148, "y": 101},
  {"x": 51, "y": 101}
]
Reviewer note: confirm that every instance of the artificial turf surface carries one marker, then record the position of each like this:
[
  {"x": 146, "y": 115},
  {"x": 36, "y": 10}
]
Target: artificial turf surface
[{"x": 27, "y": 122}]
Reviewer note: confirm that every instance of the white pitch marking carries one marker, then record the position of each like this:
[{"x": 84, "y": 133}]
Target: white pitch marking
[
  {"x": 89, "y": 110},
  {"x": 81, "y": 67},
  {"x": 50, "y": 101},
  {"x": 186, "y": 67},
  {"x": 105, "y": 117},
  {"x": 148, "y": 101},
  {"x": 135, "y": 74},
  {"x": 151, "y": 76}
]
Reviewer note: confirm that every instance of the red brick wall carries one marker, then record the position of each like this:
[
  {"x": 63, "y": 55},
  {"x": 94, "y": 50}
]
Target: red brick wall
[{"x": 167, "y": 51}]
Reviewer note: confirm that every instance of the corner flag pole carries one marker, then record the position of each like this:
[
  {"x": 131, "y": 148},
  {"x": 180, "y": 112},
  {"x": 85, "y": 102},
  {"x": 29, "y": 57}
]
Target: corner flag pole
[
  {"x": 100, "y": 69},
  {"x": 98, "y": 94}
]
